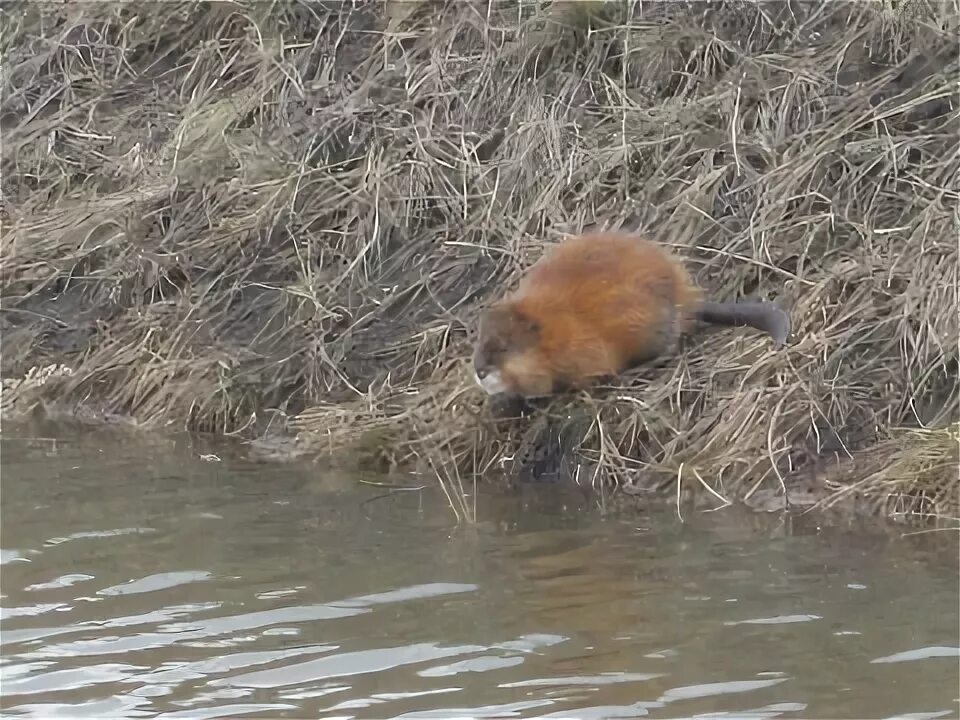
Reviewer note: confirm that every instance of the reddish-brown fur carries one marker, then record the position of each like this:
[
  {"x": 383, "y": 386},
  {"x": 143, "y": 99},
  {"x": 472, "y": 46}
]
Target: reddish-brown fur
[{"x": 593, "y": 306}]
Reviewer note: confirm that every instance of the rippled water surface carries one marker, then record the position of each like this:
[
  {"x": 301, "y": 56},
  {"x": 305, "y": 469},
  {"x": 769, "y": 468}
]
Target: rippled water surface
[{"x": 139, "y": 580}]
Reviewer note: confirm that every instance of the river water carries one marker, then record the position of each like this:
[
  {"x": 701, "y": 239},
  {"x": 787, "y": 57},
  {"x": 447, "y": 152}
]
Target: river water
[{"x": 141, "y": 580}]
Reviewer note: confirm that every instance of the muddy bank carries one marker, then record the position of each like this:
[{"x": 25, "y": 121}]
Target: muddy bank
[{"x": 282, "y": 221}]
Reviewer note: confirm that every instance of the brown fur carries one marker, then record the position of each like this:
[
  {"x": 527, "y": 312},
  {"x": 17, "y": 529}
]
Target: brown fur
[{"x": 594, "y": 306}]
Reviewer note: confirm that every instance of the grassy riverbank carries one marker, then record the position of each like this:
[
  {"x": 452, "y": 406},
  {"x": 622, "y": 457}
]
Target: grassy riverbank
[{"x": 265, "y": 219}]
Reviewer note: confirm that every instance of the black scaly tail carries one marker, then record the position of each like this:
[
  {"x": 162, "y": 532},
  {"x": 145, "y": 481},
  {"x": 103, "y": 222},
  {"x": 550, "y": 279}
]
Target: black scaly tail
[{"x": 761, "y": 315}]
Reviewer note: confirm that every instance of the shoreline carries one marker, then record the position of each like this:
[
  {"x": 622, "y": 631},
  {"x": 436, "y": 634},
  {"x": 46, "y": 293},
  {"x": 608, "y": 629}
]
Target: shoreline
[{"x": 281, "y": 226}]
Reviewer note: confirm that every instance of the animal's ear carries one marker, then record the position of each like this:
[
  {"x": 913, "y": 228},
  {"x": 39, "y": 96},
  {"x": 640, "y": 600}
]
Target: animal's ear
[{"x": 494, "y": 315}]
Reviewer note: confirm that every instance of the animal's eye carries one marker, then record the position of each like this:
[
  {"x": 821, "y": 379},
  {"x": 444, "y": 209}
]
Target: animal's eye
[{"x": 494, "y": 348}]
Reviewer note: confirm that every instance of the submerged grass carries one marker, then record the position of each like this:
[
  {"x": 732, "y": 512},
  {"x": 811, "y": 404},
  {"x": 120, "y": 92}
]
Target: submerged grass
[{"x": 266, "y": 217}]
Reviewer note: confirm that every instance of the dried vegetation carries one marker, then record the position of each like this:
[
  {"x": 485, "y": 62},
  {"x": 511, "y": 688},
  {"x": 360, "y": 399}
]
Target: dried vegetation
[{"x": 261, "y": 218}]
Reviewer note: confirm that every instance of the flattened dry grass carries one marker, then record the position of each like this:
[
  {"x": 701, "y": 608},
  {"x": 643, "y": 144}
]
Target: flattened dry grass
[{"x": 255, "y": 218}]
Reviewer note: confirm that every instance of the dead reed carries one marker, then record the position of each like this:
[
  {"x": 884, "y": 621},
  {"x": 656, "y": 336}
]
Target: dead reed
[{"x": 257, "y": 218}]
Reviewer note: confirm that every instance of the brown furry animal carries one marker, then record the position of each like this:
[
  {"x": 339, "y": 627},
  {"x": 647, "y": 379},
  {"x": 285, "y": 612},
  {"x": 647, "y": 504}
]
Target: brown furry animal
[{"x": 594, "y": 306}]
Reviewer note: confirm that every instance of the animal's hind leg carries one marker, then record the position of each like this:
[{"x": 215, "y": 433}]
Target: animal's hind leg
[
  {"x": 658, "y": 326},
  {"x": 662, "y": 337}
]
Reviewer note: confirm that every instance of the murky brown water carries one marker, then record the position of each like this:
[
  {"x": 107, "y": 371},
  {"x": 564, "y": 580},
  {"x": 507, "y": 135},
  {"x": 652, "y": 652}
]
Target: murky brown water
[{"x": 141, "y": 581}]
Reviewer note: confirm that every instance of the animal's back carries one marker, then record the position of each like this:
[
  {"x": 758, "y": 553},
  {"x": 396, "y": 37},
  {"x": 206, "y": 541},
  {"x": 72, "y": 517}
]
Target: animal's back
[{"x": 607, "y": 299}]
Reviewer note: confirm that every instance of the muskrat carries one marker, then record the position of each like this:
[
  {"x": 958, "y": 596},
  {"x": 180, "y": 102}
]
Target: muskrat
[{"x": 593, "y": 306}]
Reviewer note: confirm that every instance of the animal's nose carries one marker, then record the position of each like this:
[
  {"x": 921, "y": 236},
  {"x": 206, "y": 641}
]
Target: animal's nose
[{"x": 481, "y": 366}]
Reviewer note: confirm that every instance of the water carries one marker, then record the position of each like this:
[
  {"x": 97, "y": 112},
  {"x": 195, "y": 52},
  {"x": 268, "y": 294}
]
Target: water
[{"x": 139, "y": 580}]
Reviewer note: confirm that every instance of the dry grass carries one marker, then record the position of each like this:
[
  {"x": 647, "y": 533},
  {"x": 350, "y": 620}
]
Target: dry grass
[{"x": 253, "y": 217}]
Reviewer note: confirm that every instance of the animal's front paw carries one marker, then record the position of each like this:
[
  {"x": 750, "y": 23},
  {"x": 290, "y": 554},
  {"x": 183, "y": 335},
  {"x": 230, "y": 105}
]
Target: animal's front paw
[{"x": 508, "y": 407}]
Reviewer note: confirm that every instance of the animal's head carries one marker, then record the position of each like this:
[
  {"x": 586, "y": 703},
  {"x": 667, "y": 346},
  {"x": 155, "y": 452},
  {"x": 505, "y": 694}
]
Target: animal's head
[{"x": 507, "y": 356}]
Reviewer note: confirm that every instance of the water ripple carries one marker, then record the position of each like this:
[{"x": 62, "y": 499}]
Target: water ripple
[{"x": 935, "y": 651}]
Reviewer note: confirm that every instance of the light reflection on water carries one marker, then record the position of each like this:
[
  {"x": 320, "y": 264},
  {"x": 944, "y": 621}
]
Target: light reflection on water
[{"x": 140, "y": 581}]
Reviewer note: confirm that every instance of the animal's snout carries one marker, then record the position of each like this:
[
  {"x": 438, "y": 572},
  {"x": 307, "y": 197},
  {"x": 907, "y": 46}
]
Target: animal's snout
[
  {"x": 487, "y": 376},
  {"x": 482, "y": 365}
]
